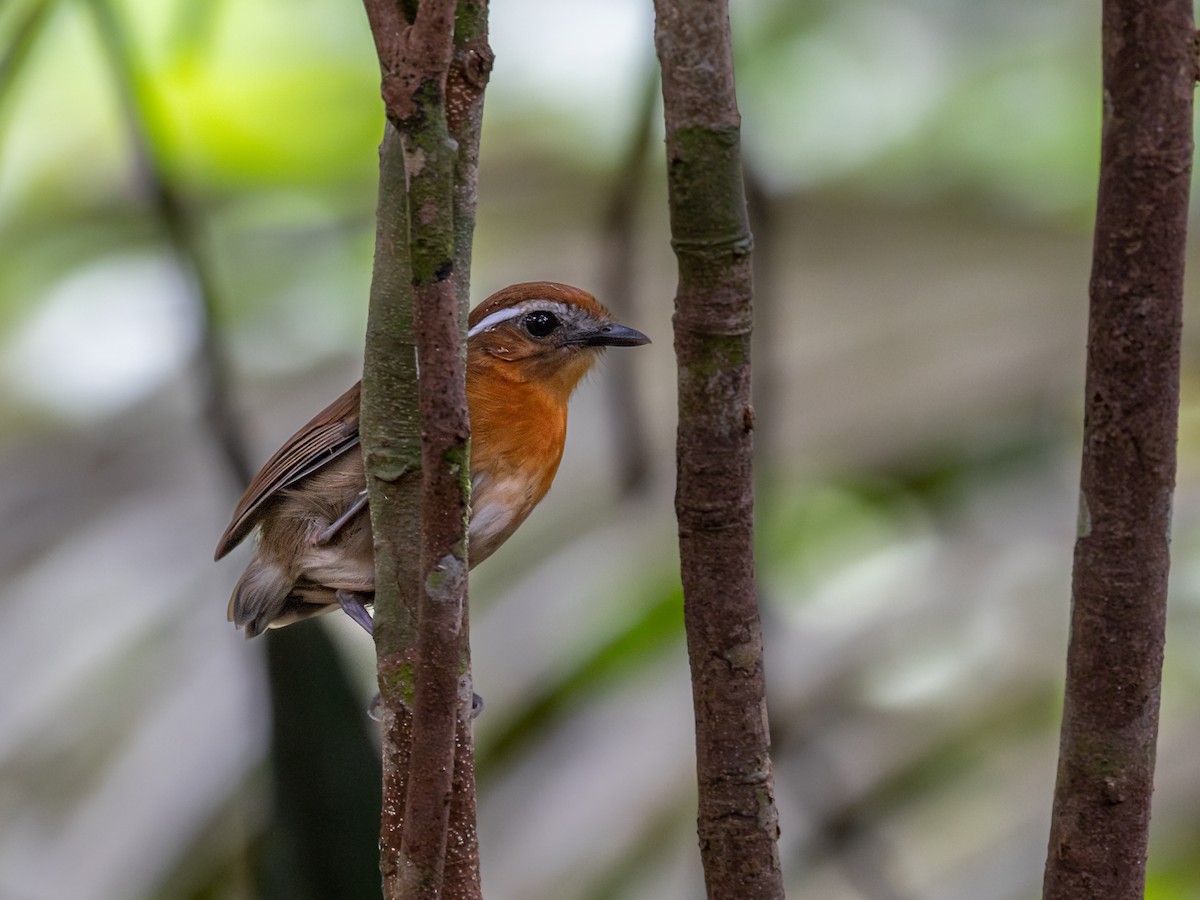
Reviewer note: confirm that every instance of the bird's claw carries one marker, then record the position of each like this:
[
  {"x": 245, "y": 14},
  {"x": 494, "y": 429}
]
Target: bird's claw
[
  {"x": 353, "y": 606},
  {"x": 375, "y": 708}
]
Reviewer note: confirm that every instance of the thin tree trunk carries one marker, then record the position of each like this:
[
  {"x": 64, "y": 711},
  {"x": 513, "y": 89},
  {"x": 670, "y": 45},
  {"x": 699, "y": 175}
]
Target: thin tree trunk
[
  {"x": 1101, "y": 816},
  {"x": 391, "y": 449},
  {"x": 737, "y": 822},
  {"x": 421, "y": 640},
  {"x": 469, "y": 72}
]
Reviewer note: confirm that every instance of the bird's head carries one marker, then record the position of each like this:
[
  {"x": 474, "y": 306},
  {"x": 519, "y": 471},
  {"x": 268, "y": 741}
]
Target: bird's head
[{"x": 544, "y": 331}]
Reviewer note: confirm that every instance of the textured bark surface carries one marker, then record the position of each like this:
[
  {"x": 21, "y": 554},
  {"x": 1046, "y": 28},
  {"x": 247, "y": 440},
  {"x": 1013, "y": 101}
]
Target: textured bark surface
[
  {"x": 737, "y": 821},
  {"x": 470, "y": 69},
  {"x": 391, "y": 448},
  {"x": 1101, "y": 815},
  {"x": 421, "y": 638}
]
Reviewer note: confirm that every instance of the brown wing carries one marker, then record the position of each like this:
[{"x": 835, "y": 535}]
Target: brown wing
[{"x": 332, "y": 432}]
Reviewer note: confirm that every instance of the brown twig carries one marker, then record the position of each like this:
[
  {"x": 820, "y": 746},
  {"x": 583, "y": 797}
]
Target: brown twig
[
  {"x": 738, "y": 822},
  {"x": 391, "y": 451},
  {"x": 470, "y": 70},
  {"x": 421, "y": 661},
  {"x": 438, "y": 701},
  {"x": 1101, "y": 815}
]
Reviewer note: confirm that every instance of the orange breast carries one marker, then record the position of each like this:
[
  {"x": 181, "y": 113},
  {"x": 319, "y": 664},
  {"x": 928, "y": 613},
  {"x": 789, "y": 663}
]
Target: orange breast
[{"x": 518, "y": 429}]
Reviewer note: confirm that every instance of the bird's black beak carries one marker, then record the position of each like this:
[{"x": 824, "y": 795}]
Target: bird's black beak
[{"x": 613, "y": 335}]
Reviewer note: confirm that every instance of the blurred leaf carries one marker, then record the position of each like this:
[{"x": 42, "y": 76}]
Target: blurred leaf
[{"x": 311, "y": 125}]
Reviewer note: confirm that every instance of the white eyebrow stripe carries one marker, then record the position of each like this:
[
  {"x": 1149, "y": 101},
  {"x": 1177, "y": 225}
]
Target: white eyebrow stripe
[{"x": 489, "y": 322}]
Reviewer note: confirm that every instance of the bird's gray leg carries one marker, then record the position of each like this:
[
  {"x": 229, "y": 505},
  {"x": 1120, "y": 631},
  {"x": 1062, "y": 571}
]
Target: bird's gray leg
[
  {"x": 353, "y": 606},
  {"x": 330, "y": 531}
]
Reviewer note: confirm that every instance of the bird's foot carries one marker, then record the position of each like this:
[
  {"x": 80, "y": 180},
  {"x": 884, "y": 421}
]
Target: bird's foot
[
  {"x": 375, "y": 709},
  {"x": 353, "y": 606},
  {"x": 323, "y": 536}
]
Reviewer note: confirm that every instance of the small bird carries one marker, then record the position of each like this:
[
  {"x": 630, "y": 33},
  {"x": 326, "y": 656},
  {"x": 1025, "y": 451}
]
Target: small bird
[{"x": 528, "y": 346}]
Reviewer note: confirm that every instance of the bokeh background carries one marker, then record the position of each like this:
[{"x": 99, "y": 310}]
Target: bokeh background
[{"x": 186, "y": 227}]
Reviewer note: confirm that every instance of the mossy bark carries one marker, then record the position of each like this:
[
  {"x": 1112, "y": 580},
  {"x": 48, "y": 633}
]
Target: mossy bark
[
  {"x": 415, "y": 421},
  {"x": 1100, "y": 822},
  {"x": 737, "y": 820},
  {"x": 390, "y": 429},
  {"x": 470, "y": 70}
]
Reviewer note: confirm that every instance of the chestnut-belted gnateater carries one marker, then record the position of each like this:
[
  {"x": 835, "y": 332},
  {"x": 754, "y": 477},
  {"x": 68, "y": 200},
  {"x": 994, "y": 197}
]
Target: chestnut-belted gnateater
[{"x": 528, "y": 346}]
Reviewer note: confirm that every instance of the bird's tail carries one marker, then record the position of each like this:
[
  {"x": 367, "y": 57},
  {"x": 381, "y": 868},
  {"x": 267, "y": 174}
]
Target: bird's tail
[{"x": 260, "y": 596}]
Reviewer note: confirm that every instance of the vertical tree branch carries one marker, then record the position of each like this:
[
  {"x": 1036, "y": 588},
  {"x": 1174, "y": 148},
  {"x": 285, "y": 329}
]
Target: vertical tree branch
[
  {"x": 421, "y": 642},
  {"x": 470, "y": 69},
  {"x": 390, "y": 427},
  {"x": 1100, "y": 821},
  {"x": 445, "y": 462},
  {"x": 738, "y": 822}
]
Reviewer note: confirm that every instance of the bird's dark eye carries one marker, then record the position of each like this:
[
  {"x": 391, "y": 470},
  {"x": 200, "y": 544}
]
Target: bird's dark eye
[{"x": 541, "y": 324}]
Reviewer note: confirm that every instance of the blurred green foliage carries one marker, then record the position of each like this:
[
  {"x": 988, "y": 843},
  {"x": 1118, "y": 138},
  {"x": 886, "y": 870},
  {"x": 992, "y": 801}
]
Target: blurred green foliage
[
  {"x": 266, "y": 117},
  {"x": 914, "y": 589}
]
